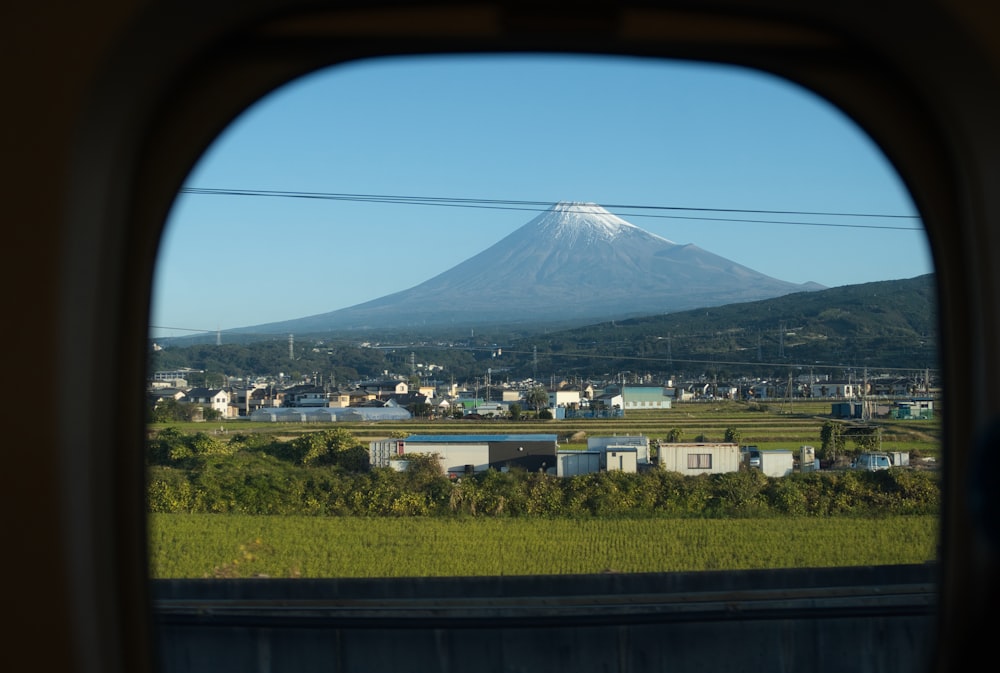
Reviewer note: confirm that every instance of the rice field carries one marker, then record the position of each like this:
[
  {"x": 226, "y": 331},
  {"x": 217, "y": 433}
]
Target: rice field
[{"x": 207, "y": 545}]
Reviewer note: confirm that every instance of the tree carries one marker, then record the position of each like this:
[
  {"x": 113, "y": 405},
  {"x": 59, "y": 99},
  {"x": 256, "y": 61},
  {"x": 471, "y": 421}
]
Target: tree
[
  {"x": 832, "y": 440},
  {"x": 537, "y": 398},
  {"x": 170, "y": 410},
  {"x": 325, "y": 448},
  {"x": 211, "y": 414},
  {"x": 733, "y": 436},
  {"x": 866, "y": 439},
  {"x": 515, "y": 411},
  {"x": 674, "y": 435}
]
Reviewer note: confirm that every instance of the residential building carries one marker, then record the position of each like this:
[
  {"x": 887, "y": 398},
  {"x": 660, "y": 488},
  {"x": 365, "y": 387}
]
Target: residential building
[{"x": 213, "y": 398}]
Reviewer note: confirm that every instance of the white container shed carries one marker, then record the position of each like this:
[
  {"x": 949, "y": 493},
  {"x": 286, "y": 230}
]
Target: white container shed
[
  {"x": 777, "y": 462},
  {"x": 621, "y": 459},
  {"x": 573, "y": 463},
  {"x": 695, "y": 459}
]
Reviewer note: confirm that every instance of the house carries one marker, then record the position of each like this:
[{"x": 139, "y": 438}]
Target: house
[
  {"x": 408, "y": 399},
  {"x": 157, "y": 396},
  {"x": 564, "y": 397},
  {"x": 307, "y": 396},
  {"x": 213, "y": 398},
  {"x": 700, "y": 458},
  {"x": 339, "y": 399},
  {"x": 385, "y": 387},
  {"x": 359, "y": 397},
  {"x": 248, "y": 400}
]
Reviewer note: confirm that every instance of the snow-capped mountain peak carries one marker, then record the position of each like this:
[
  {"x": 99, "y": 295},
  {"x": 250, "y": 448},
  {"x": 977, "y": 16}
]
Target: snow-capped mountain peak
[{"x": 584, "y": 221}]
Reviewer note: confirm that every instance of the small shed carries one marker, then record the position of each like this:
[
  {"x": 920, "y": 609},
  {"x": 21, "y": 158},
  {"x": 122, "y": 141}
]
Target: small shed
[
  {"x": 573, "y": 463},
  {"x": 620, "y": 459},
  {"x": 639, "y": 443},
  {"x": 700, "y": 458},
  {"x": 777, "y": 462}
]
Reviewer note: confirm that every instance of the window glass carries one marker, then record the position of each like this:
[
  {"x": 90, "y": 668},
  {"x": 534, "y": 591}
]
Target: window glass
[{"x": 455, "y": 287}]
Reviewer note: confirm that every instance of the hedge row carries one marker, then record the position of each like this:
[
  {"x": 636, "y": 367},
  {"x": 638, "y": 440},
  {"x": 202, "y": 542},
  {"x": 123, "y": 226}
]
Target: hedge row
[{"x": 257, "y": 483}]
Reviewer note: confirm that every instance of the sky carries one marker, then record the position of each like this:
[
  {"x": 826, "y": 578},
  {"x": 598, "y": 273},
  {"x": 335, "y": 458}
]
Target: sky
[{"x": 617, "y": 131}]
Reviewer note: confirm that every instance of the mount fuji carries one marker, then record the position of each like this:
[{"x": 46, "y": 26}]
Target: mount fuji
[{"x": 574, "y": 264}]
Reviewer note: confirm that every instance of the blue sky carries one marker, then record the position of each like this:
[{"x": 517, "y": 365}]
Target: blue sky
[{"x": 530, "y": 128}]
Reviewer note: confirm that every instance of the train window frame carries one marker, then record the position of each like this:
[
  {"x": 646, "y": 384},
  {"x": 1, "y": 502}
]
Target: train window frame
[{"x": 171, "y": 119}]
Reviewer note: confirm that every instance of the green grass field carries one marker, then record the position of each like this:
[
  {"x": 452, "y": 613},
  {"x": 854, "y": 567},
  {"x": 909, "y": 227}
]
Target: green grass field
[
  {"x": 244, "y": 546},
  {"x": 197, "y": 546}
]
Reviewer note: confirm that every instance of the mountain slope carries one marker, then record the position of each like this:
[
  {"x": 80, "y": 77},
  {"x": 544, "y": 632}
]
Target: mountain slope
[
  {"x": 574, "y": 263},
  {"x": 880, "y": 324}
]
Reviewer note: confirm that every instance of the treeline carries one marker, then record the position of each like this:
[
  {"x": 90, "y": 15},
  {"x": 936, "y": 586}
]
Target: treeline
[
  {"x": 326, "y": 473},
  {"x": 337, "y": 362},
  {"x": 882, "y": 324}
]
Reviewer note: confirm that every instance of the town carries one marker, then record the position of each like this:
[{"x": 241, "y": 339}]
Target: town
[
  {"x": 397, "y": 397},
  {"x": 478, "y": 448}
]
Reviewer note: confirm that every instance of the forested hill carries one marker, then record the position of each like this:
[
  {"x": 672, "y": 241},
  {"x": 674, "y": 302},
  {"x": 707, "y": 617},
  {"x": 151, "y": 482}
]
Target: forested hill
[
  {"x": 882, "y": 325},
  {"x": 888, "y": 324}
]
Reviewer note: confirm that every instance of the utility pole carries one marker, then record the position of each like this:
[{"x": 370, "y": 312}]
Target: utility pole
[{"x": 865, "y": 414}]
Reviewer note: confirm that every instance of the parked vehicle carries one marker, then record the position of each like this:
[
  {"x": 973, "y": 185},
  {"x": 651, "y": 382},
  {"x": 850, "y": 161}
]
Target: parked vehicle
[
  {"x": 872, "y": 462},
  {"x": 751, "y": 456}
]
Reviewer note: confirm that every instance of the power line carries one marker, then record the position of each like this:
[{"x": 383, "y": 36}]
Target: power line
[{"x": 542, "y": 206}]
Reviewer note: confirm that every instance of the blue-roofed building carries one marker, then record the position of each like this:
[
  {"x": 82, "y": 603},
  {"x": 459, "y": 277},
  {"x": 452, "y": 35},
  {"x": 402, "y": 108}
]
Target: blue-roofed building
[{"x": 470, "y": 453}]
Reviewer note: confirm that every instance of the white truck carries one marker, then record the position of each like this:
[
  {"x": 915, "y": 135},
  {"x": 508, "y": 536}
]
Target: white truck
[{"x": 872, "y": 462}]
